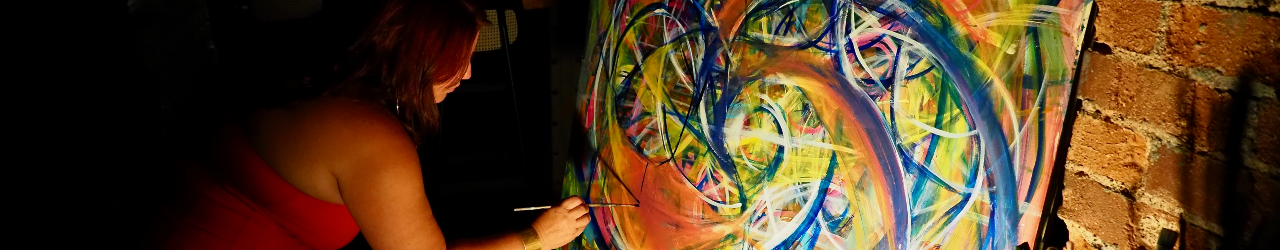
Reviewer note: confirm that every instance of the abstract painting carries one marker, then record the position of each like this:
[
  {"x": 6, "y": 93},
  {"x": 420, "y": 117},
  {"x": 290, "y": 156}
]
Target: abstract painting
[{"x": 833, "y": 124}]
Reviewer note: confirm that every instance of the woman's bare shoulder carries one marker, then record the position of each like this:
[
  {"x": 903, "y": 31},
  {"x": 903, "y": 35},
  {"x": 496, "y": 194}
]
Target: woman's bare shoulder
[
  {"x": 330, "y": 117},
  {"x": 330, "y": 131},
  {"x": 342, "y": 114}
]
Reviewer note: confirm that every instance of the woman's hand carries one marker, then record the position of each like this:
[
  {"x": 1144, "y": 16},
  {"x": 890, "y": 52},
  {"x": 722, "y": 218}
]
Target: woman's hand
[{"x": 561, "y": 224}]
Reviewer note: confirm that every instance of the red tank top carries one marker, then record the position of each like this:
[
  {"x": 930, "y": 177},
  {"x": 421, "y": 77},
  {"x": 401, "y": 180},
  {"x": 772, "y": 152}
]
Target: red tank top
[{"x": 239, "y": 202}]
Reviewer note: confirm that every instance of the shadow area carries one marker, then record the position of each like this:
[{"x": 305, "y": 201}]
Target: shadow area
[
  {"x": 1228, "y": 197},
  {"x": 1247, "y": 201}
]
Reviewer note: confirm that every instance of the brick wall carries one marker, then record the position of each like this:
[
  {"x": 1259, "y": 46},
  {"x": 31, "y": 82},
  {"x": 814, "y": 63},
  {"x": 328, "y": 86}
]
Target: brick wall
[{"x": 1177, "y": 129}]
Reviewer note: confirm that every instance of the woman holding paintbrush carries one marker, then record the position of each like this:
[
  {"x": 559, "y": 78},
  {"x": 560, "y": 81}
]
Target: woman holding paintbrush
[{"x": 338, "y": 156}]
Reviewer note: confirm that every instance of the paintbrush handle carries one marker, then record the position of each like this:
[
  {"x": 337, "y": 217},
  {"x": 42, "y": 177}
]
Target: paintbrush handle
[
  {"x": 611, "y": 205},
  {"x": 588, "y": 205},
  {"x": 532, "y": 208}
]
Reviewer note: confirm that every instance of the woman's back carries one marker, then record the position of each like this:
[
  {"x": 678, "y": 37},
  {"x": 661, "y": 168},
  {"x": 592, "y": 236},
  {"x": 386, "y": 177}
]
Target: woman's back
[{"x": 234, "y": 200}]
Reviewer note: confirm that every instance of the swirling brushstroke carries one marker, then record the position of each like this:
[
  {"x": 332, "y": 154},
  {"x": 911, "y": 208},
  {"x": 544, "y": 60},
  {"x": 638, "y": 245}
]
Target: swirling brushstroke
[{"x": 834, "y": 124}]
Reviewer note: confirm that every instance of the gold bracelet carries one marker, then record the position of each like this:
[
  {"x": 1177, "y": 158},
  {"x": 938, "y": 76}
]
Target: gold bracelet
[{"x": 531, "y": 239}]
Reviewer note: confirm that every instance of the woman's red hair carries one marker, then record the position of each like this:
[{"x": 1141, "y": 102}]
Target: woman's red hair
[{"x": 409, "y": 46}]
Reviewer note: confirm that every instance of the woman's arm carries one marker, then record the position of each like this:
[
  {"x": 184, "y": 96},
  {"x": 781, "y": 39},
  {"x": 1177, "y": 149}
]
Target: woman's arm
[{"x": 379, "y": 178}]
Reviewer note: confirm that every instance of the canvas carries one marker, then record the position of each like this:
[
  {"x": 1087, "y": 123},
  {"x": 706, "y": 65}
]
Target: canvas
[{"x": 837, "y": 124}]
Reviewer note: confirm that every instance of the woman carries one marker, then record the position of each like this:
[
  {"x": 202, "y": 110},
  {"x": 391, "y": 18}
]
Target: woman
[{"x": 339, "y": 157}]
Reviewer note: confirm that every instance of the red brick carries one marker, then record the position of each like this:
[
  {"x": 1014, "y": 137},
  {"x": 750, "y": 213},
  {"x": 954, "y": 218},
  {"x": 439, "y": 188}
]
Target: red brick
[
  {"x": 1259, "y": 200},
  {"x": 1213, "y": 113},
  {"x": 1103, "y": 213},
  {"x": 1229, "y": 41},
  {"x": 1129, "y": 24},
  {"x": 1108, "y": 149},
  {"x": 1198, "y": 238},
  {"x": 1266, "y": 146},
  {"x": 1144, "y": 232},
  {"x": 1195, "y": 181},
  {"x": 1146, "y": 95},
  {"x": 1264, "y": 193},
  {"x": 1077, "y": 241},
  {"x": 1262, "y": 5}
]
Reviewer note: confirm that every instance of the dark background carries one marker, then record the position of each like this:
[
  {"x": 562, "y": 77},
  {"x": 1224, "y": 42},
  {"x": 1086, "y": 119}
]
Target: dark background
[{"x": 143, "y": 74}]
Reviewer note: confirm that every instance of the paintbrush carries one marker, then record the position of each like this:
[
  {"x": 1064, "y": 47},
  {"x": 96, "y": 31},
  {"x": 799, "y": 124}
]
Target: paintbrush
[{"x": 588, "y": 205}]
